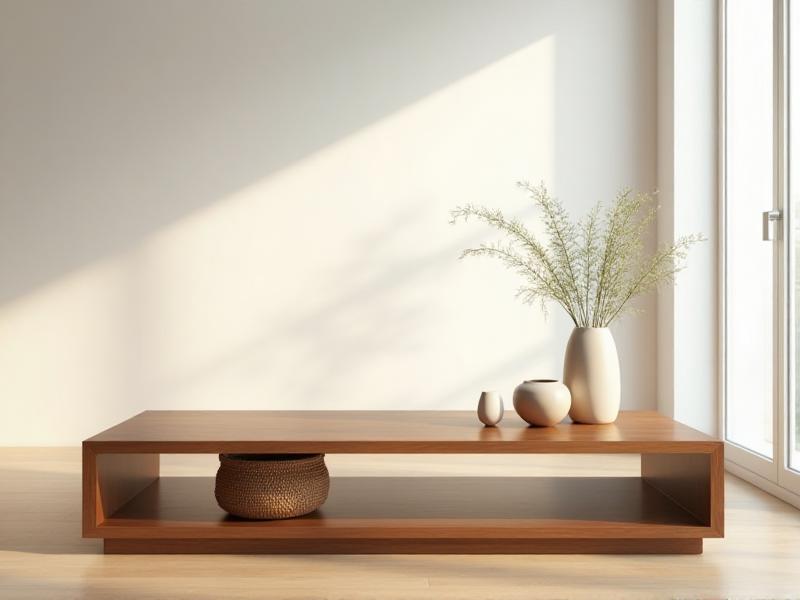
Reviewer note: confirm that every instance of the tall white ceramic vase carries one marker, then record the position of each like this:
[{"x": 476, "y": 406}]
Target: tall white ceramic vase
[{"x": 591, "y": 372}]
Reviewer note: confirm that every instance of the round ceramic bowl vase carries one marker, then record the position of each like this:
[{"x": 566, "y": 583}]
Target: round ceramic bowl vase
[{"x": 542, "y": 402}]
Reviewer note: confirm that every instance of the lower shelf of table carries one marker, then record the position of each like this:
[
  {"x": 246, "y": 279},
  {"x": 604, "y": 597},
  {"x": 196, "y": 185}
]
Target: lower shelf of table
[{"x": 430, "y": 514}]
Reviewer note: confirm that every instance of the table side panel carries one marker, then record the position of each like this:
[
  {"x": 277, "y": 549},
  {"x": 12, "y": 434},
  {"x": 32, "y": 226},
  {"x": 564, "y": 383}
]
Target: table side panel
[
  {"x": 90, "y": 496},
  {"x": 693, "y": 481},
  {"x": 112, "y": 480}
]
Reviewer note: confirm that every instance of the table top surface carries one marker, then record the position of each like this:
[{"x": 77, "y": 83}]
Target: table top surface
[{"x": 390, "y": 431}]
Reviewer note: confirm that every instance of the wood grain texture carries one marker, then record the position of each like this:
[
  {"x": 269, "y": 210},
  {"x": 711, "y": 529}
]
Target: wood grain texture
[
  {"x": 91, "y": 506},
  {"x": 421, "y": 507},
  {"x": 406, "y": 546},
  {"x": 390, "y": 432}
]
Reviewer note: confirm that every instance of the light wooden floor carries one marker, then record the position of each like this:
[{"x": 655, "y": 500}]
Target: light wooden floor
[{"x": 43, "y": 556}]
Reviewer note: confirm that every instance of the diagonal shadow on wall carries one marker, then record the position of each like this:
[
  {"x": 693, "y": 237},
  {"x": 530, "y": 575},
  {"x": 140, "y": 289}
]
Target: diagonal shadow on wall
[{"x": 119, "y": 118}]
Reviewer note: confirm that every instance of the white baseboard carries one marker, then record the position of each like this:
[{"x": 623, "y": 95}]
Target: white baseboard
[{"x": 764, "y": 484}]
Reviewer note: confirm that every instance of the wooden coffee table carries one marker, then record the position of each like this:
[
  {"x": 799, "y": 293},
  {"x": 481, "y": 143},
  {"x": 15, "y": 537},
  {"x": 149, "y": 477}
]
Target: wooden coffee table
[{"x": 677, "y": 501}]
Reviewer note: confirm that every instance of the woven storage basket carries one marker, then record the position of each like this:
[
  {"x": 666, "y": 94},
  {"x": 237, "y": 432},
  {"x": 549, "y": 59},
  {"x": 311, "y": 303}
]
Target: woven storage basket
[{"x": 271, "y": 486}]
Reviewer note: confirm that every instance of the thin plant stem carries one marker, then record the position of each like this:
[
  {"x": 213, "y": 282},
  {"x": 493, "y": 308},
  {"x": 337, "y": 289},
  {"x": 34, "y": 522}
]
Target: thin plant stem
[{"x": 592, "y": 268}]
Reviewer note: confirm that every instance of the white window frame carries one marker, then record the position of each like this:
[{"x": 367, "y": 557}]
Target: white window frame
[{"x": 772, "y": 475}]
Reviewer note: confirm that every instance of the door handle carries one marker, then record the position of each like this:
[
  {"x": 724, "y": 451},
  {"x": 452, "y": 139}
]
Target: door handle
[{"x": 768, "y": 217}]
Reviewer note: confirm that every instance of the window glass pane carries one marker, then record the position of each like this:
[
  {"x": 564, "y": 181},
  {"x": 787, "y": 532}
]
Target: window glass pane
[
  {"x": 794, "y": 229},
  {"x": 749, "y": 187}
]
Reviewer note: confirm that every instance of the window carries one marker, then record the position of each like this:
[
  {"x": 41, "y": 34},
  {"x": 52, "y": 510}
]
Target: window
[
  {"x": 761, "y": 238},
  {"x": 749, "y": 192}
]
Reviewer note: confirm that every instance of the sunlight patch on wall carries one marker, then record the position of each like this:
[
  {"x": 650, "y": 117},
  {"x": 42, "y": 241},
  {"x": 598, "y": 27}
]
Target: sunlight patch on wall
[
  {"x": 331, "y": 284},
  {"x": 335, "y": 283}
]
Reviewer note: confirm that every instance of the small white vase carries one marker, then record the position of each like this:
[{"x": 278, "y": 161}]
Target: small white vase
[
  {"x": 542, "y": 402},
  {"x": 591, "y": 372},
  {"x": 490, "y": 408}
]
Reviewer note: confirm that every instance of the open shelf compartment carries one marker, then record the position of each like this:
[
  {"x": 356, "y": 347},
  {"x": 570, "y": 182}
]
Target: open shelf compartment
[{"x": 415, "y": 507}]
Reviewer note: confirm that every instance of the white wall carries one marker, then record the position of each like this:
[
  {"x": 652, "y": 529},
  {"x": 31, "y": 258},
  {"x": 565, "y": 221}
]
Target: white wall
[{"x": 245, "y": 204}]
